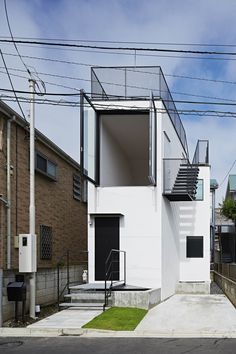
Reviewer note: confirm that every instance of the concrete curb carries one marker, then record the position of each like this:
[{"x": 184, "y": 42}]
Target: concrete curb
[
  {"x": 39, "y": 332},
  {"x": 89, "y": 333}
]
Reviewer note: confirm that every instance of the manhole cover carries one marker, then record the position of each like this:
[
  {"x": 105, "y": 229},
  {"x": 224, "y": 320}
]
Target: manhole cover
[{"x": 10, "y": 344}]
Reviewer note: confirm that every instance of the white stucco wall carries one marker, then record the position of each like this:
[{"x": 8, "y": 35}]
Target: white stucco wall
[
  {"x": 194, "y": 220},
  {"x": 153, "y": 230},
  {"x": 138, "y": 230},
  {"x": 114, "y": 166},
  {"x": 171, "y": 148}
]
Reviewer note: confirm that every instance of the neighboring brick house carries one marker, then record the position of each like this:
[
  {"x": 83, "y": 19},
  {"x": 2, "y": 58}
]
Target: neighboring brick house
[{"x": 61, "y": 209}]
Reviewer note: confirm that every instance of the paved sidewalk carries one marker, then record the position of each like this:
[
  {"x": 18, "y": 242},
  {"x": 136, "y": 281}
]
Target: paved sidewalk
[
  {"x": 202, "y": 315},
  {"x": 181, "y": 316},
  {"x": 72, "y": 318}
]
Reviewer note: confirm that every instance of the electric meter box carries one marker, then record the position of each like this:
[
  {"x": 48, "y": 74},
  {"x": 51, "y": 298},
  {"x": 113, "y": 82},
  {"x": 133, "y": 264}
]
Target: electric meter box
[{"x": 27, "y": 253}]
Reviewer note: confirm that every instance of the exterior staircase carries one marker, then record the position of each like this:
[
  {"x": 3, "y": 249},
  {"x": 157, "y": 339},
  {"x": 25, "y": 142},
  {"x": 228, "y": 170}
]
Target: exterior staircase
[
  {"x": 84, "y": 298},
  {"x": 185, "y": 186}
]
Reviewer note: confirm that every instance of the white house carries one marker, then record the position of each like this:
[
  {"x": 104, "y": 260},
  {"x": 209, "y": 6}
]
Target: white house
[{"x": 144, "y": 196}]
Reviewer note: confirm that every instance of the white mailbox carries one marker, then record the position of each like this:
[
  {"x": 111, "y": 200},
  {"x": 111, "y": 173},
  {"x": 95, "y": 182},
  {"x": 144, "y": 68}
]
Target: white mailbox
[{"x": 27, "y": 253}]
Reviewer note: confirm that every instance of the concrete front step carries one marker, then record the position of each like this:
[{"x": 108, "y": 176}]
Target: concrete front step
[
  {"x": 82, "y": 305},
  {"x": 85, "y": 297}
]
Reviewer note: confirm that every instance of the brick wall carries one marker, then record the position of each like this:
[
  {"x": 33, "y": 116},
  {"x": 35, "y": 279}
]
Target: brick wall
[{"x": 55, "y": 205}]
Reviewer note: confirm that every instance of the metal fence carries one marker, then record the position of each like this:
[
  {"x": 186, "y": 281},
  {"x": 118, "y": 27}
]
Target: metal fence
[{"x": 226, "y": 269}]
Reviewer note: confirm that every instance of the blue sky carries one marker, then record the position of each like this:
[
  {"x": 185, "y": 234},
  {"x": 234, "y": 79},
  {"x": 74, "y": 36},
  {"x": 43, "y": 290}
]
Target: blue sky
[{"x": 182, "y": 21}]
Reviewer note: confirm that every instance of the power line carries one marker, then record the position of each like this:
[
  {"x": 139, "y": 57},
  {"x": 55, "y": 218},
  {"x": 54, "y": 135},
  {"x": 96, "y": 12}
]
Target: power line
[
  {"x": 117, "y": 97},
  {"x": 130, "y": 42},
  {"x": 206, "y": 113},
  {"x": 59, "y": 44},
  {"x": 227, "y": 174},
  {"x": 12, "y": 38},
  {"x": 151, "y": 73},
  {"x": 19, "y": 55},
  {"x": 11, "y": 83},
  {"x": 115, "y": 84},
  {"x": 120, "y": 85}
]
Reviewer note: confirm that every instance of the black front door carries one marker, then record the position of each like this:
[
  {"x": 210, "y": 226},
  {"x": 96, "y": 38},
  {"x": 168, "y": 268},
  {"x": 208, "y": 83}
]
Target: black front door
[{"x": 107, "y": 230}]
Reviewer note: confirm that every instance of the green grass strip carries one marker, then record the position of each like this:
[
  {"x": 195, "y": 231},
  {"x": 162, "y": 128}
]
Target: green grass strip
[{"x": 117, "y": 319}]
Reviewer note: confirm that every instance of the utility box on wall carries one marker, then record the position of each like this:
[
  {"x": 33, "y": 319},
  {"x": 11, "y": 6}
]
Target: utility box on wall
[{"x": 27, "y": 253}]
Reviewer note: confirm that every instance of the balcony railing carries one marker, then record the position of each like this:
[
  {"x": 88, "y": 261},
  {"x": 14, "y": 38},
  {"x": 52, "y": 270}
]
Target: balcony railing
[
  {"x": 127, "y": 83},
  {"x": 201, "y": 155}
]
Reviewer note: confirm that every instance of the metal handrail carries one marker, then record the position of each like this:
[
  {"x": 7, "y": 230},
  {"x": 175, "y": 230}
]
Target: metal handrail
[
  {"x": 109, "y": 272},
  {"x": 67, "y": 285}
]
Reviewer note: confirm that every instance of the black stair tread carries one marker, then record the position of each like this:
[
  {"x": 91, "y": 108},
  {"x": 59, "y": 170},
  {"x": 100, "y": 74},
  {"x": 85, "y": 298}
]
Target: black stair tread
[
  {"x": 183, "y": 189},
  {"x": 186, "y": 180},
  {"x": 185, "y": 173},
  {"x": 185, "y": 184},
  {"x": 189, "y": 169}
]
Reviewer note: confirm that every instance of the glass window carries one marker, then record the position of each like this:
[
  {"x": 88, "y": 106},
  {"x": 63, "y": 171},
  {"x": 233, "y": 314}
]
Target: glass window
[
  {"x": 89, "y": 139},
  {"x": 152, "y": 142},
  {"x": 199, "y": 193},
  {"x": 194, "y": 247},
  {"x": 51, "y": 169},
  {"x": 45, "y": 166},
  {"x": 41, "y": 163}
]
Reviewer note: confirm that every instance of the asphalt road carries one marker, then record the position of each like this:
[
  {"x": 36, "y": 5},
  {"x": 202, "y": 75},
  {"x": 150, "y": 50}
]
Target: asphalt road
[{"x": 70, "y": 345}]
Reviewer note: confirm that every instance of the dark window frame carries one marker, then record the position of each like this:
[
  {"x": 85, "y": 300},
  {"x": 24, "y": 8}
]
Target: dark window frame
[
  {"x": 45, "y": 173},
  {"x": 191, "y": 251}
]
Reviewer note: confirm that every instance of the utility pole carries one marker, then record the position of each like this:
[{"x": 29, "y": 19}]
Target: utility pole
[{"x": 32, "y": 193}]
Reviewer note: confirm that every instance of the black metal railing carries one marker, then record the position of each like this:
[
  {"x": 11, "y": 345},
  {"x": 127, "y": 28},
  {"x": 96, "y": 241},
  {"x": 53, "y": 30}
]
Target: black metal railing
[
  {"x": 201, "y": 155},
  {"x": 112, "y": 273},
  {"x": 65, "y": 261}
]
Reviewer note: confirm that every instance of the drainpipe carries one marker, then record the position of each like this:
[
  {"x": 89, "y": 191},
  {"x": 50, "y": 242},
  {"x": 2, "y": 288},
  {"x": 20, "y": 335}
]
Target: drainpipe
[
  {"x": 9, "y": 194},
  {"x": 1, "y": 296}
]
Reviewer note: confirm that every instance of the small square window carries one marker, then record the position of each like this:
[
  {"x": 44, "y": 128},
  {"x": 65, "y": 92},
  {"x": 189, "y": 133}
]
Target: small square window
[
  {"x": 199, "y": 194},
  {"x": 194, "y": 247}
]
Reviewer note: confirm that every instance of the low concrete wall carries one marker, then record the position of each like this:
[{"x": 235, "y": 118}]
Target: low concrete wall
[
  {"x": 141, "y": 299},
  {"x": 46, "y": 287},
  {"x": 193, "y": 288},
  {"x": 227, "y": 285}
]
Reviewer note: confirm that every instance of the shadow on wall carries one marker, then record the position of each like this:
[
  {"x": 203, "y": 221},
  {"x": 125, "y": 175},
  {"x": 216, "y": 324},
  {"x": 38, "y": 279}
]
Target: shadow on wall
[{"x": 186, "y": 222}]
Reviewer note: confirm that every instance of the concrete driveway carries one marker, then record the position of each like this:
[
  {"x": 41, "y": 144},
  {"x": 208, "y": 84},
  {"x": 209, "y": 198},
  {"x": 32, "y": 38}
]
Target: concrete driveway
[{"x": 191, "y": 315}]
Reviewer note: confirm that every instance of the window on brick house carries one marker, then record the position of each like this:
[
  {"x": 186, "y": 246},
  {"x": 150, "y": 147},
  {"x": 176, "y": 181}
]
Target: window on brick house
[
  {"x": 45, "y": 166},
  {"x": 45, "y": 242}
]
